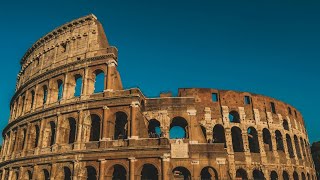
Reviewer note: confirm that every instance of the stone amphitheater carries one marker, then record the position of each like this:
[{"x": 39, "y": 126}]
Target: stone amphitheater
[{"x": 72, "y": 119}]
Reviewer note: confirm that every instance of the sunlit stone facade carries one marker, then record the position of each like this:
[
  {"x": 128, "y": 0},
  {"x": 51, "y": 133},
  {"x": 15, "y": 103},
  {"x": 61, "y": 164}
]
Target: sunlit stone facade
[{"x": 72, "y": 119}]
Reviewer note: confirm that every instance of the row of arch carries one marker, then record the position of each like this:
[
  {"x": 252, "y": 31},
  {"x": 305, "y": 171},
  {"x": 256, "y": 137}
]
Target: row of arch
[
  {"x": 55, "y": 91},
  {"x": 259, "y": 175},
  {"x": 116, "y": 172}
]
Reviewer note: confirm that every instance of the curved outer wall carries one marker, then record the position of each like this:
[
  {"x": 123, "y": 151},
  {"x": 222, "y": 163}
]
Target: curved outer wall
[{"x": 54, "y": 133}]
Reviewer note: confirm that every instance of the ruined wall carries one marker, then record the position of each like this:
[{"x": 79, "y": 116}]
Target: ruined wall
[{"x": 63, "y": 126}]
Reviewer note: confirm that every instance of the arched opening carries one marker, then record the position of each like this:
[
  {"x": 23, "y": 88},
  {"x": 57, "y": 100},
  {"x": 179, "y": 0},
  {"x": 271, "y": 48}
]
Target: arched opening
[
  {"x": 295, "y": 176},
  {"x": 253, "y": 140},
  {"x": 274, "y": 175},
  {"x": 53, "y": 133},
  {"x": 279, "y": 141},
  {"x": 209, "y": 173},
  {"x": 45, "y": 94},
  {"x": 45, "y": 174},
  {"x": 289, "y": 144},
  {"x": 241, "y": 174},
  {"x": 308, "y": 176},
  {"x": 219, "y": 134},
  {"x": 258, "y": 175},
  {"x": 181, "y": 173},
  {"x": 302, "y": 147},
  {"x": 267, "y": 139},
  {"x": 95, "y": 128},
  {"x": 72, "y": 130},
  {"x": 149, "y": 172},
  {"x": 154, "y": 129},
  {"x": 178, "y": 128},
  {"x": 237, "y": 141},
  {"x": 119, "y": 172},
  {"x": 285, "y": 175},
  {"x": 91, "y": 173},
  {"x": 234, "y": 117},
  {"x": 67, "y": 173},
  {"x": 121, "y": 126},
  {"x": 296, "y": 143},
  {"x": 32, "y": 99},
  {"x": 99, "y": 81},
  {"x": 60, "y": 89},
  {"x": 285, "y": 125},
  {"x": 37, "y": 134},
  {"x": 24, "y": 139},
  {"x": 303, "y": 176},
  {"x": 78, "y": 86}
]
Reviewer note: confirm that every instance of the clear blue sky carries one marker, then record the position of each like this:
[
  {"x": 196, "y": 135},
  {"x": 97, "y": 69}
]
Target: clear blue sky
[{"x": 265, "y": 47}]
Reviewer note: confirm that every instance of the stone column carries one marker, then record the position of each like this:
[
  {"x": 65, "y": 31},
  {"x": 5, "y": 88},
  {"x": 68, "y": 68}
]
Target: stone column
[
  {"x": 103, "y": 163},
  {"x": 274, "y": 146},
  {"x": 134, "y": 131},
  {"x": 66, "y": 86},
  {"x": 110, "y": 74},
  {"x": 57, "y": 138},
  {"x": 132, "y": 167},
  {"x": 192, "y": 113},
  {"x": 106, "y": 112},
  {"x": 165, "y": 166},
  {"x": 79, "y": 130},
  {"x": 261, "y": 145}
]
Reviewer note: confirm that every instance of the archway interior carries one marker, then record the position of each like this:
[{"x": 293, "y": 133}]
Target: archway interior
[
  {"x": 119, "y": 173},
  {"x": 121, "y": 126},
  {"x": 178, "y": 128},
  {"x": 267, "y": 139},
  {"x": 279, "y": 141},
  {"x": 181, "y": 173},
  {"x": 241, "y": 173},
  {"x": 274, "y": 175},
  {"x": 99, "y": 81},
  {"x": 234, "y": 117},
  {"x": 285, "y": 175},
  {"x": 67, "y": 173},
  {"x": 237, "y": 141},
  {"x": 91, "y": 173},
  {"x": 253, "y": 140},
  {"x": 154, "y": 130},
  {"x": 149, "y": 172},
  {"x": 95, "y": 128},
  {"x": 209, "y": 173},
  {"x": 258, "y": 175}
]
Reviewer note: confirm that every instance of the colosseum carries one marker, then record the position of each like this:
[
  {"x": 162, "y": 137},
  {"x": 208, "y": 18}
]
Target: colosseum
[{"x": 72, "y": 119}]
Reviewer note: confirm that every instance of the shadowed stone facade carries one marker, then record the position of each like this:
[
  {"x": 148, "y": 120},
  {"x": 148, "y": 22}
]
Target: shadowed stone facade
[{"x": 62, "y": 126}]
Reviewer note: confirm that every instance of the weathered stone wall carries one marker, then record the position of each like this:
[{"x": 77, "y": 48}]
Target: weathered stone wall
[{"x": 53, "y": 133}]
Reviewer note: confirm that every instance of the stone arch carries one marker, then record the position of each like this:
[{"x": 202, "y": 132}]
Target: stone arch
[
  {"x": 44, "y": 95},
  {"x": 234, "y": 117},
  {"x": 209, "y": 173},
  {"x": 95, "y": 127},
  {"x": 279, "y": 140},
  {"x": 154, "y": 129},
  {"x": 91, "y": 173},
  {"x": 285, "y": 125},
  {"x": 149, "y": 172},
  {"x": 78, "y": 85},
  {"x": 67, "y": 175},
  {"x": 253, "y": 140},
  {"x": 44, "y": 174},
  {"x": 99, "y": 81},
  {"x": 121, "y": 126},
  {"x": 27, "y": 175},
  {"x": 302, "y": 147},
  {"x": 295, "y": 175},
  {"x": 32, "y": 97},
  {"x": 117, "y": 171},
  {"x": 68, "y": 131},
  {"x": 308, "y": 176},
  {"x": 237, "y": 141},
  {"x": 181, "y": 173},
  {"x": 289, "y": 145},
  {"x": 303, "y": 176},
  {"x": 258, "y": 175},
  {"x": 219, "y": 135},
  {"x": 297, "y": 145},
  {"x": 267, "y": 139},
  {"x": 179, "y": 128},
  {"x": 58, "y": 90},
  {"x": 241, "y": 174},
  {"x": 274, "y": 175},
  {"x": 285, "y": 175},
  {"x": 49, "y": 136}
]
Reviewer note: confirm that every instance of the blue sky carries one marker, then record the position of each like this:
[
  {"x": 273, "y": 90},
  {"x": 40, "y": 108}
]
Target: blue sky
[{"x": 265, "y": 47}]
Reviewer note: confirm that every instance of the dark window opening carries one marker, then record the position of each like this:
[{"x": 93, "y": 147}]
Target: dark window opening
[
  {"x": 53, "y": 133},
  {"x": 290, "y": 148},
  {"x": 295, "y": 113},
  {"x": 67, "y": 173},
  {"x": 289, "y": 111},
  {"x": 258, "y": 175},
  {"x": 267, "y": 140},
  {"x": 91, "y": 173},
  {"x": 32, "y": 99},
  {"x": 253, "y": 140},
  {"x": 219, "y": 134},
  {"x": 237, "y": 141},
  {"x": 285, "y": 125},
  {"x": 119, "y": 173},
  {"x": 181, "y": 173},
  {"x": 279, "y": 141},
  {"x": 209, "y": 173},
  {"x": 95, "y": 128},
  {"x": 274, "y": 175},
  {"x": 45, "y": 94},
  {"x": 149, "y": 172},
  {"x": 285, "y": 175},
  {"x": 60, "y": 89},
  {"x": 72, "y": 130},
  {"x": 214, "y": 97},
  {"x": 242, "y": 174},
  {"x": 154, "y": 129},
  {"x": 296, "y": 143},
  {"x": 295, "y": 176},
  {"x": 247, "y": 100},
  {"x": 99, "y": 81},
  {"x": 78, "y": 87},
  {"x": 121, "y": 127},
  {"x": 37, "y": 136},
  {"x": 234, "y": 117},
  {"x": 273, "y": 107}
]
